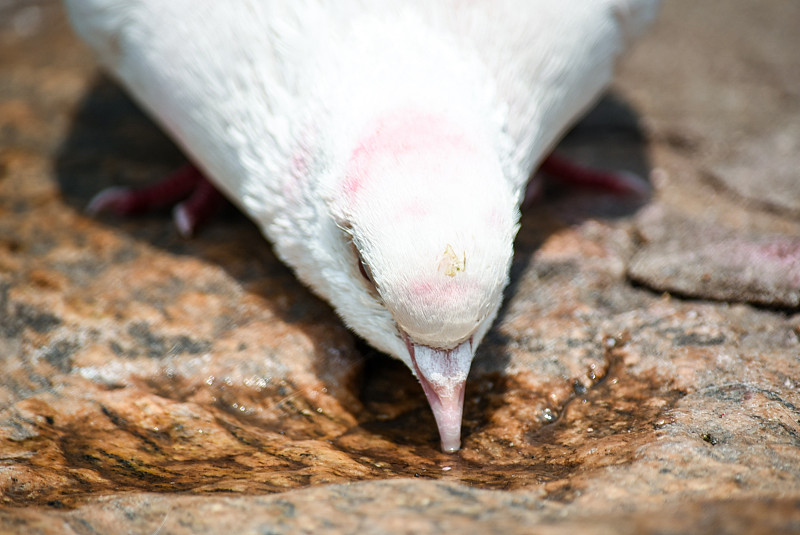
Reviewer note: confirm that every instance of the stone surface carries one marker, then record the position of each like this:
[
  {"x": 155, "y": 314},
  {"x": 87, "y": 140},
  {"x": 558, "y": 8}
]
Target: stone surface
[
  {"x": 152, "y": 384},
  {"x": 399, "y": 506},
  {"x": 704, "y": 259}
]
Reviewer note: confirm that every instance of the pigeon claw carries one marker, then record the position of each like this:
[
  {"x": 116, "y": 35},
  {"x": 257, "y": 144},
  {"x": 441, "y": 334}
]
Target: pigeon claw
[
  {"x": 194, "y": 198},
  {"x": 621, "y": 183}
]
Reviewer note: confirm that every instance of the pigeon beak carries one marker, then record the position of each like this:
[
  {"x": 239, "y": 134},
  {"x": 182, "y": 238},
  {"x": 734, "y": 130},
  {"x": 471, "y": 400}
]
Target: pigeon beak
[{"x": 443, "y": 374}]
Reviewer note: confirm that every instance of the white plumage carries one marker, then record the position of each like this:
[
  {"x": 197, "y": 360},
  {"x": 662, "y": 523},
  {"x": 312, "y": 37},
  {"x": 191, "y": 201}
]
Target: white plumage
[{"x": 394, "y": 138}]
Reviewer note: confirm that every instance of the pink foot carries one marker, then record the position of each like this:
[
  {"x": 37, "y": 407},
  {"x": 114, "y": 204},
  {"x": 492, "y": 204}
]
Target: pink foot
[
  {"x": 190, "y": 214},
  {"x": 616, "y": 182},
  {"x": 194, "y": 199}
]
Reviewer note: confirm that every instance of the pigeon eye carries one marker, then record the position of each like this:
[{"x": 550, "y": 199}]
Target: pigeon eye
[
  {"x": 366, "y": 272},
  {"x": 362, "y": 267}
]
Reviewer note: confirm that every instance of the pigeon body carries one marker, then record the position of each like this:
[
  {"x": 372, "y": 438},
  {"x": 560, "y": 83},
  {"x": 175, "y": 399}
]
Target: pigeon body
[{"x": 382, "y": 147}]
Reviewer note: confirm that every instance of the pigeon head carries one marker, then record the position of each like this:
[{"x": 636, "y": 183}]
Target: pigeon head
[{"x": 431, "y": 221}]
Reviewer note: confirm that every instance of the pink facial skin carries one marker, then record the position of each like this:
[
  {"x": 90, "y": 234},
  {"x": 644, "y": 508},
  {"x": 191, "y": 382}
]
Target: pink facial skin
[{"x": 396, "y": 135}]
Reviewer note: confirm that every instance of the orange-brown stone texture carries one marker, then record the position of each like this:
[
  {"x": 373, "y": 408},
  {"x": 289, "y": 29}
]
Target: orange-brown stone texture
[{"x": 643, "y": 376}]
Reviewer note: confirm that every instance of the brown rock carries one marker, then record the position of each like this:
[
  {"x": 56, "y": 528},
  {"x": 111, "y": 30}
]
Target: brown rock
[
  {"x": 144, "y": 375},
  {"x": 706, "y": 260},
  {"x": 399, "y": 506}
]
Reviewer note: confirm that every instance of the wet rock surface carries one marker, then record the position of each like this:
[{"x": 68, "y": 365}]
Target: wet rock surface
[{"x": 643, "y": 375}]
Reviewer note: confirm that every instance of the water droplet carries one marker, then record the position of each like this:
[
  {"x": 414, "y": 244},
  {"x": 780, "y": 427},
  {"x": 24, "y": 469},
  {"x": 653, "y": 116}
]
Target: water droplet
[{"x": 548, "y": 415}]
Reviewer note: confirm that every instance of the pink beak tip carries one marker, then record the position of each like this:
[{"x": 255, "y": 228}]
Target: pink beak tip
[{"x": 451, "y": 444}]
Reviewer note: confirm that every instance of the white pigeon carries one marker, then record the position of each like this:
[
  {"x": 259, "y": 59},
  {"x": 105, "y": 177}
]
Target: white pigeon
[{"x": 382, "y": 147}]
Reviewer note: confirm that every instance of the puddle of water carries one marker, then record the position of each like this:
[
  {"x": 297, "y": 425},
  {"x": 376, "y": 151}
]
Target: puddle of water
[{"x": 141, "y": 442}]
